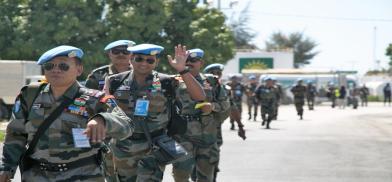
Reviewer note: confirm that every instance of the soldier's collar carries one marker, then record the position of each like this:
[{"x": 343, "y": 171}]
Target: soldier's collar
[{"x": 72, "y": 90}]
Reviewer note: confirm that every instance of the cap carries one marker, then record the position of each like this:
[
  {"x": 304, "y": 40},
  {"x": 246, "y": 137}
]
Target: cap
[
  {"x": 146, "y": 49},
  {"x": 117, "y": 43},
  {"x": 63, "y": 50},
  {"x": 214, "y": 66},
  {"x": 193, "y": 53}
]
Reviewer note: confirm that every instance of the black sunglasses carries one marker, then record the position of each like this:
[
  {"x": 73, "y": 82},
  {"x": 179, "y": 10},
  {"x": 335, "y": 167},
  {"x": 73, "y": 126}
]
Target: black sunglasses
[
  {"x": 118, "y": 51},
  {"x": 140, "y": 59},
  {"x": 61, "y": 66},
  {"x": 193, "y": 60}
]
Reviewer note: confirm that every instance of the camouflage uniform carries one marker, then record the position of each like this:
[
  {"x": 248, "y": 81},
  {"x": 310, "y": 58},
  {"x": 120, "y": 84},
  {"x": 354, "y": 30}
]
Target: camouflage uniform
[
  {"x": 299, "y": 92},
  {"x": 237, "y": 90},
  {"x": 251, "y": 100},
  {"x": 201, "y": 135},
  {"x": 311, "y": 92},
  {"x": 132, "y": 158},
  {"x": 96, "y": 80},
  {"x": 56, "y": 145},
  {"x": 279, "y": 95},
  {"x": 268, "y": 98}
]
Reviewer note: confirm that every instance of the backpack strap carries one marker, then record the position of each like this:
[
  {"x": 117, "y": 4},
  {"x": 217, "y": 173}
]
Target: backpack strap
[
  {"x": 116, "y": 81},
  {"x": 30, "y": 93}
]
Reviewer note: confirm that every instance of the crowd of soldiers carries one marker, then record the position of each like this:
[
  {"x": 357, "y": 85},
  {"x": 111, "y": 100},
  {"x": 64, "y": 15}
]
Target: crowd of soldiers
[
  {"x": 112, "y": 128},
  {"x": 126, "y": 123}
]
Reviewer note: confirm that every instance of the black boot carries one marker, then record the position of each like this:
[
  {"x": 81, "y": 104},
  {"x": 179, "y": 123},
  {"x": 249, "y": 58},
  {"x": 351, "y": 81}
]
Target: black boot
[
  {"x": 250, "y": 116},
  {"x": 268, "y": 124},
  {"x": 232, "y": 126}
]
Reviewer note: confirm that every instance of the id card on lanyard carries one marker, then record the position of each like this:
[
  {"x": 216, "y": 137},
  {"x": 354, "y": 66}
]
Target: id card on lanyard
[{"x": 141, "y": 108}]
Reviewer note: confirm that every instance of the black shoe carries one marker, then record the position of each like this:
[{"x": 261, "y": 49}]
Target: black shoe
[
  {"x": 232, "y": 127},
  {"x": 249, "y": 118},
  {"x": 300, "y": 117},
  {"x": 263, "y": 123}
]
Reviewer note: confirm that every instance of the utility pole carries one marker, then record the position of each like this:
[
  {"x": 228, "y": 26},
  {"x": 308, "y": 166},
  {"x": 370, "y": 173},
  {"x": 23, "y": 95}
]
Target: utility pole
[{"x": 377, "y": 62}]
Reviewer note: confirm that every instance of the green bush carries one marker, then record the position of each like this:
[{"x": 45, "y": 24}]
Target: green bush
[
  {"x": 374, "y": 98},
  {"x": 2, "y": 136}
]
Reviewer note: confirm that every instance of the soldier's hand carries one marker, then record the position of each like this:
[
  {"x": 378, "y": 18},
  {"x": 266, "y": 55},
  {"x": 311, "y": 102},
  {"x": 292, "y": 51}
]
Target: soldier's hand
[
  {"x": 241, "y": 132},
  {"x": 96, "y": 129},
  {"x": 5, "y": 178},
  {"x": 180, "y": 58},
  {"x": 207, "y": 108}
]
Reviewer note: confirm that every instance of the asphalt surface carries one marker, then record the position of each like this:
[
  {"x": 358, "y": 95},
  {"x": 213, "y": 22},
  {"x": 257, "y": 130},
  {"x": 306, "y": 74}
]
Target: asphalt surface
[{"x": 329, "y": 145}]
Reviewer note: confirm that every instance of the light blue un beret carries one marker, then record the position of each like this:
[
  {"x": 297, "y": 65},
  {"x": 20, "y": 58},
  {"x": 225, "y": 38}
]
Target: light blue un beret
[
  {"x": 214, "y": 66},
  {"x": 193, "y": 53},
  {"x": 63, "y": 50},
  {"x": 146, "y": 49},
  {"x": 128, "y": 43},
  {"x": 252, "y": 77}
]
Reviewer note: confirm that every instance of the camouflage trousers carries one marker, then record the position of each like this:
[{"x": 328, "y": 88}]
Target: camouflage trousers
[
  {"x": 200, "y": 141},
  {"x": 310, "y": 102},
  {"x": 252, "y": 105},
  {"x": 108, "y": 164},
  {"x": 299, "y": 104},
  {"x": 134, "y": 163},
  {"x": 204, "y": 159},
  {"x": 87, "y": 173}
]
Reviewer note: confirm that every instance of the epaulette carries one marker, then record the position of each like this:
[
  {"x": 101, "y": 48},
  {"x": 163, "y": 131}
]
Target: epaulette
[
  {"x": 92, "y": 92},
  {"x": 102, "y": 68}
]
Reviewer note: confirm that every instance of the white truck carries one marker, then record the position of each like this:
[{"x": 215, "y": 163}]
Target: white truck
[{"x": 14, "y": 74}]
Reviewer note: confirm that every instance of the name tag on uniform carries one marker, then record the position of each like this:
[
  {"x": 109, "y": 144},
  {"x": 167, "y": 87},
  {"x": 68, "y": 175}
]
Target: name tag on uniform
[
  {"x": 80, "y": 139},
  {"x": 141, "y": 108}
]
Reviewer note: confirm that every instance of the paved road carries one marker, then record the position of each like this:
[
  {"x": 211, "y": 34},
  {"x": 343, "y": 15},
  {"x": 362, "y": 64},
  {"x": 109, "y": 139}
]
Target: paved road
[{"x": 329, "y": 145}]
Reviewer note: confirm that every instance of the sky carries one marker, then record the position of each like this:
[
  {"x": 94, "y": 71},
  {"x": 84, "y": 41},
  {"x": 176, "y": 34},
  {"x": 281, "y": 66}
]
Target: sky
[{"x": 351, "y": 34}]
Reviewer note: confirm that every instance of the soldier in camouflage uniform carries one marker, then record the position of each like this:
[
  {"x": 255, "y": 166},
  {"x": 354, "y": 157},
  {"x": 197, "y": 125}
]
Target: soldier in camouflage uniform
[
  {"x": 279, "y": 95},
  {"x": 132, "y": 156},
  {"x": 119, "y": 57},
  {"x": 250, "y": 97},
  {"x": 267, "y": 95},
  {"x": 58, "y": 155},
  {"x": 216, "y": 69},
  {"x": 119, "y": 62},
  {"x": 299, "y": 92},
  {"x": 201, "y": 135},
  {"x": 237, "y": 90},
  {"x": 311, "y": 92}
]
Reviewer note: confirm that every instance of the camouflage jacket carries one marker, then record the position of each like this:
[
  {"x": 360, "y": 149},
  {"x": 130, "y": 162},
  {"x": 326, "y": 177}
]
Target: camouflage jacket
[
  {"x": 57, "y": 145},
  {"x": 299, "y": 91},
  {"x": 96, "y": 79},
  {"x": 128, "y": 92},
  {"x": 215, "y": 93},
  {"x": 250, "y": 90},
  {"x": 267, "y": 94}
]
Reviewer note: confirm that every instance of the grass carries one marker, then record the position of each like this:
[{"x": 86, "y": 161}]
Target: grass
[{"x": 2, "y": 135}]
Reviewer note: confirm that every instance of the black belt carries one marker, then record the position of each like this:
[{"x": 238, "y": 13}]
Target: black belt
[
  {"x": 189, "y": 117},
  {"x": 57, "y": 167},
  {"x": 142, "y": 136}
]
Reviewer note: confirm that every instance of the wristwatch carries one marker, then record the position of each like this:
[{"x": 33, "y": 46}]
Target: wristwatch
[{"x": 186, "y": 70}]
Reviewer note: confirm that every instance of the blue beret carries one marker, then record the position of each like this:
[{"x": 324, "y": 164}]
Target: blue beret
[
  {"x": 213, "y": 67},
  {"x": 193, "y": 53},
  {"x": 252, "y": 77},
  {"x": 273, "y": 78},
  {"x": 120, "y": 43},
  {"x": 267, "y": 78},
  {"x": 146, "y": 49},
  {"x": 63, "y": 50}
]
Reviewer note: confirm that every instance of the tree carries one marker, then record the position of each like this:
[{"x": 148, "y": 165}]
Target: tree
[
  {"x": 389, "y": 53},
  {"x": 243, "y": 35},
  {"x": 34, "y": 26},
  {"x": 301, "y": 45}
]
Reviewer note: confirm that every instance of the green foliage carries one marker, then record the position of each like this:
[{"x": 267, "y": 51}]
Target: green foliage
[
  {"x": 301, "y": 45},
  {"x": 2, "y": 136},
  {"x": 374, "y": 98},
  {"x": 34, "y": 26},
  {"x": 243, "y": 35},
  {"x": 389, "y": 53}
]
